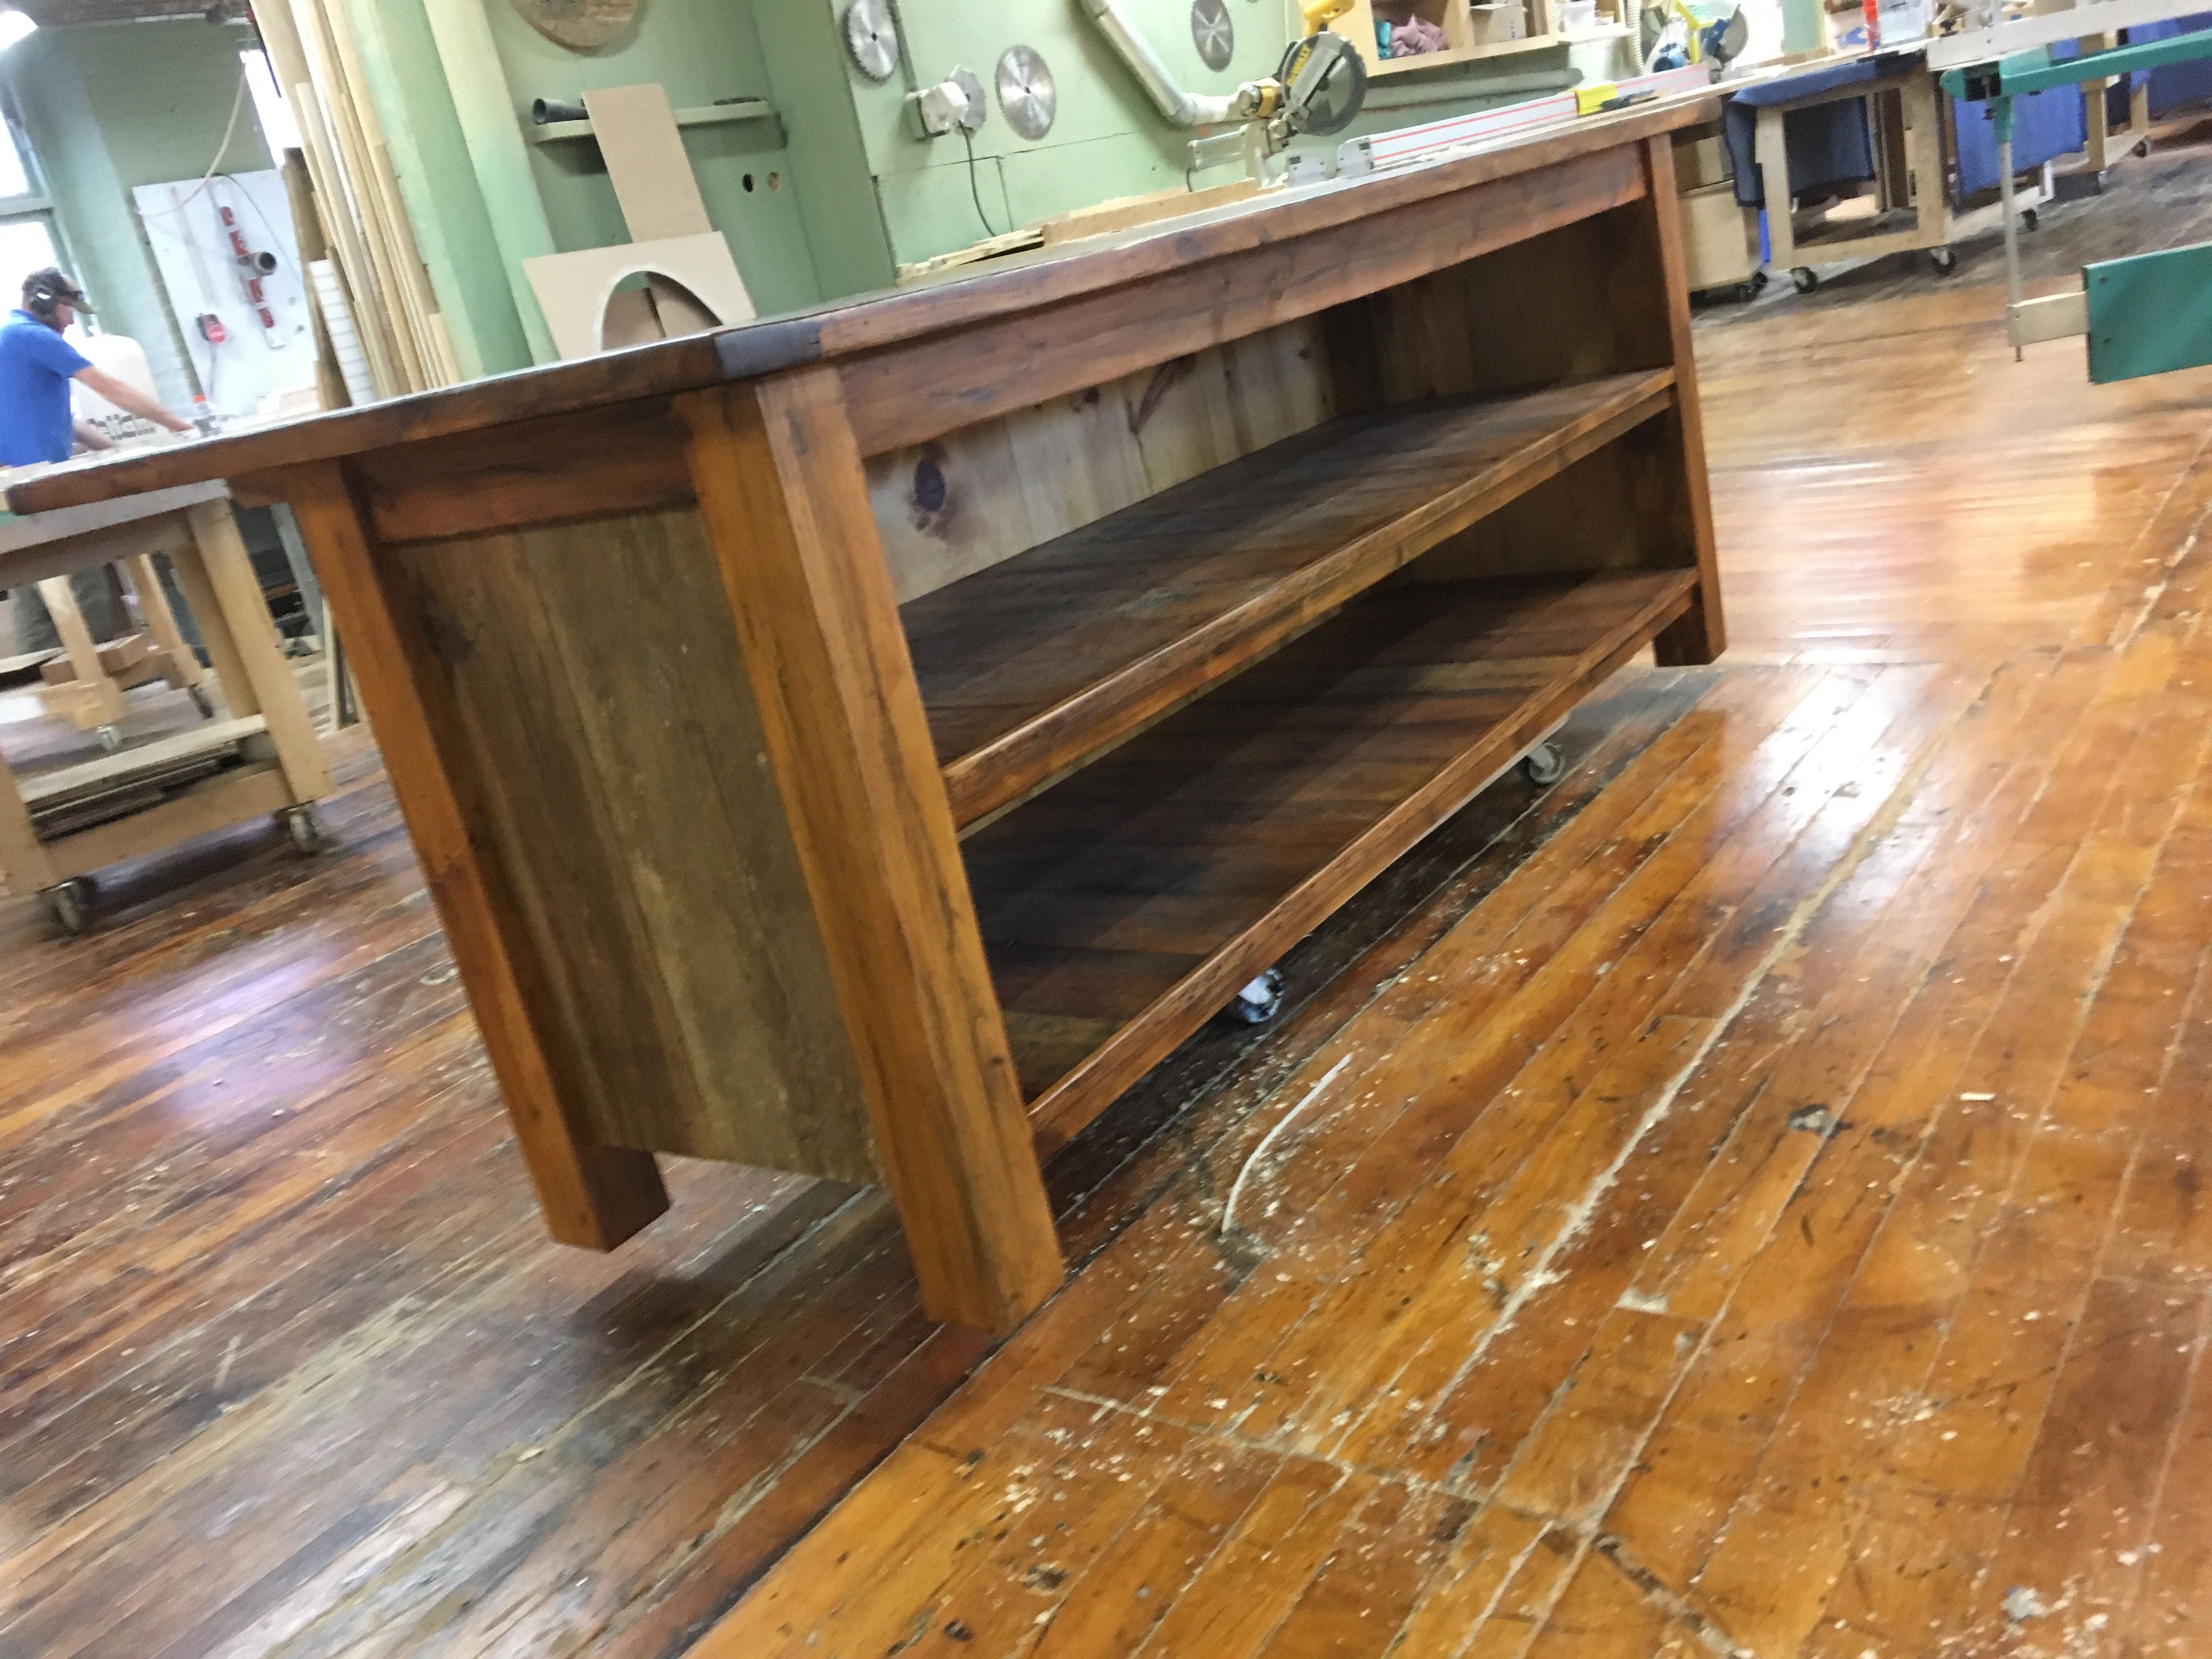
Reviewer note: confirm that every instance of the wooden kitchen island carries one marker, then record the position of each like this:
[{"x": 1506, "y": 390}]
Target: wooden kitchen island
[{"x": 862, "y": 743}]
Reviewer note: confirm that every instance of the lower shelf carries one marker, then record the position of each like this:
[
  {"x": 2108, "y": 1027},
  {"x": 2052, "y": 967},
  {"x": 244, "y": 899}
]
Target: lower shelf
[{"x": 1123, "y": 908}]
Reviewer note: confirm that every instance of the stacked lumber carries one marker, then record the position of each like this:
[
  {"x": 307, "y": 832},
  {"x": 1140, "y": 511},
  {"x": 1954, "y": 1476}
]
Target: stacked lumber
[{"x": 385, "y": 290}]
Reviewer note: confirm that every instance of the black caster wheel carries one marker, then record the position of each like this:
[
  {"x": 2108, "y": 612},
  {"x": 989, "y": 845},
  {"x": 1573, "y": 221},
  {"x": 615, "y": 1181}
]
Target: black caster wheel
[
  {"x": 2028, "y": 219},
  {"x": 1544, "y": 765},
  {"x": 111, "y": 739},
  {"x": 70, "y": 903},
  {"x": 305, "y": 828},
  {"x": 1759, "y": 281},
  {"x": 1744, "y": 293},
  {"x": 1804, "y": 280},
  {"x": 1946, "y": 260},
  {"x": 203, "y": 703},
  {"x": 2143, "y": 147},
  {"x": 1259, "y": 1002}
]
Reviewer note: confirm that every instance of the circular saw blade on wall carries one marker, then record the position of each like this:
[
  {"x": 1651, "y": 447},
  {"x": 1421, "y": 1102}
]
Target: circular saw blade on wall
[
  {"x": 578, "y": 25},
  {"x": 872, "y": 38},
  {"x": 1026, "y": 92},
  {"x": 1213, "y": 32}
]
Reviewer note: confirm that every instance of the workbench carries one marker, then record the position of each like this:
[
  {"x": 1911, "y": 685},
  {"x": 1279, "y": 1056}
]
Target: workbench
[
  {"x": 257, "y": 755},
  {"x": 1925, "y": 170},
  {"x": 862, "y": 743}
]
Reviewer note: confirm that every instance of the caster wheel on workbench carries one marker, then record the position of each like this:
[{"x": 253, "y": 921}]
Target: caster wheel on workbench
[
  {"x": 70, "y": 903},
  {"x": 203, "y": 703},
  {"x": 1259, "y": 1002},
  {"x": 1544, "y": 765},
  {"x": 111, "y": 739},
  {"x": 1804, "y": 280},
  {"x": 305, "y": 830},
  {"x": 2029, "y": 219},
  {"x": 1946, "y": 260}
]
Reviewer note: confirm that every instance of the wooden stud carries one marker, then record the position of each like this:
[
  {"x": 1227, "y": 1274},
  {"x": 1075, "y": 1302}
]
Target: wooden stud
[
  {"x": 183, "y": 670},
  {"x": 23, "y": 858},
  {"x": 783, "y": 496},
  {"x": 239, "y": 694},
  {"x": 592, "y": 1194},
  {"x": 96, "y": 699},
  {"x": 244, "y": 615}
]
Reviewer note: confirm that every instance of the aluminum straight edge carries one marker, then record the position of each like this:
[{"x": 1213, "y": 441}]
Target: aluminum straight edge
[{"x": 1985, "y": 45}]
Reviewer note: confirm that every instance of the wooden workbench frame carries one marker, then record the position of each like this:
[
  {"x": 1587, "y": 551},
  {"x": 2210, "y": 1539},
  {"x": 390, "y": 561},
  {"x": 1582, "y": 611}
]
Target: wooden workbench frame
[
  {"x": 196, "y": 530},
  {"x": 537, "y": 733}
]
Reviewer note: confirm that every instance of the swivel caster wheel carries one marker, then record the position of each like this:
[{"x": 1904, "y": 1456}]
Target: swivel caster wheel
[
  {"x": 111, "y": 739},
  {"x": 1804, "y": 279},
  {"x": 1744, "y": 293},
  {"x": 1544, "y": 765},
  {"x": 203, "y": 703},
  {"x": 2143, "y": 146},
  {"x": 1259, "y": 1002},
  {"x": 70, "y": 903},
  {"x": 1946, "y": 260},
  {"x": 305, "y": 830},
  {"x": 2029, "y": 219}
]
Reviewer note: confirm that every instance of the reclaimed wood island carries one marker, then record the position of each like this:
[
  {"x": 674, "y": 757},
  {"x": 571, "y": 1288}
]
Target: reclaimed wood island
[{"x": 862, "y": 743}]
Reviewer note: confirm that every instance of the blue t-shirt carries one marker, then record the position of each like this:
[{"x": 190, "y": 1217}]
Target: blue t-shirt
[{"x": 36, "y": 365}]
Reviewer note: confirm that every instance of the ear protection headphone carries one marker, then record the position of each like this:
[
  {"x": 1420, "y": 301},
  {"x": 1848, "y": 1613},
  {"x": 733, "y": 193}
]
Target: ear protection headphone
[{"x": 46, "y": 290}]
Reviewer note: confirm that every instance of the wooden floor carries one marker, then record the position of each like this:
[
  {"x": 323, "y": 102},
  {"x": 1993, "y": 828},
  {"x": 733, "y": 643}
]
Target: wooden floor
[{"x": 1744, "y": 1201}]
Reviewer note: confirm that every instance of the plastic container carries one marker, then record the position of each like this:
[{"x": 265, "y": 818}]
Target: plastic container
[{"x": 1577, "y": 16}]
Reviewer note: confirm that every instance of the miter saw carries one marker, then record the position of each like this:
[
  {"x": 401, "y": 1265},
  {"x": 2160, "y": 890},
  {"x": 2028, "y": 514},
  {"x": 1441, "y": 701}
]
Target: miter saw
[
  {"x": 1318, "y": 88},
  {"x": 1673, "y": 36}
]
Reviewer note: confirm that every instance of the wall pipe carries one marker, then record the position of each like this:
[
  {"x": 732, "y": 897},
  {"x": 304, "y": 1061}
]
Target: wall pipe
[{"x": 1185, "y": 109}]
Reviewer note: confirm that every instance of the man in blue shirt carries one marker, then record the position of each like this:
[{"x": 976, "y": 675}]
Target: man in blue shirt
[{"x": 36, "y": 366}]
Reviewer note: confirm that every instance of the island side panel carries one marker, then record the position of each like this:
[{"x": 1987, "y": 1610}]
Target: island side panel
[
  {"x": 592, "y": 1195},
  {"x": 595, "y": 686},
  {"x": 782, "y": 487}
]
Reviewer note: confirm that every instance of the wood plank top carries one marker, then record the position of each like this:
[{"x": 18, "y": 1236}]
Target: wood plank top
[
  {"x": 1033, "y": 665},
  {"x": 1104, "y": 902},
  {"x": 35, "y": 530},
  {"x": 1020, "y": 283}
]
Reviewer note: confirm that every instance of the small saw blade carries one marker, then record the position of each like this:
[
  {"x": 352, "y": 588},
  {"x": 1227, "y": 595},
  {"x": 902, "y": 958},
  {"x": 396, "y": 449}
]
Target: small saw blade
[
  {"x": 1026, "y": 92},
  {"x": 872, "y": 38}
]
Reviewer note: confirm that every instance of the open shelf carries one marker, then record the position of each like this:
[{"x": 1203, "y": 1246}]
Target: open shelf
[
  {"x": 1435, "y": 60},
  {"x": 1124, "y": 907},
  {"x": 706, "y": 115},
  {"x": 1037, "y": 664}
]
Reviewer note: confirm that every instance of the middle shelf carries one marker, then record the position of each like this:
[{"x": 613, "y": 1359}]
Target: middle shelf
[{"x": 1034, "y": 664}]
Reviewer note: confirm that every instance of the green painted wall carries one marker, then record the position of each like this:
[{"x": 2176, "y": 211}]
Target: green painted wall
[
  {"x": 445, "y": 207},
  {"x": 700, "y": 50},
  {"x": 111, "y": 107},
  {"x": 162, "y": 93},
  {"x": 824, "y": 203},
  {"x": 1108, "y": 140}
]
